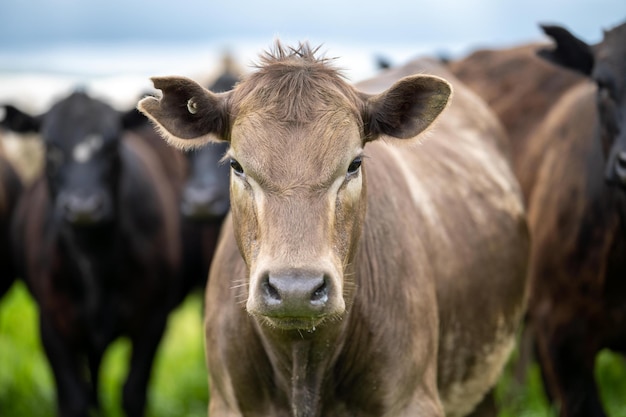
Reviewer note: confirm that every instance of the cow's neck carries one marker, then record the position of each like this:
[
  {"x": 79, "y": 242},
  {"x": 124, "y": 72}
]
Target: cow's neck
[{"x": 302, "y": 361}]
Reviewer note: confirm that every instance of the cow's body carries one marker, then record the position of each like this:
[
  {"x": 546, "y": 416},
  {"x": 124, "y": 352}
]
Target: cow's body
[
  {"x": 578, "y": 288},
  {"x": 577, "y": 306},
  {"x": 520, "y": 88},
  {"x": 97, "y": 238},
  {"x": 433, "y": 272},
  {"x": 10, "y": 189}
]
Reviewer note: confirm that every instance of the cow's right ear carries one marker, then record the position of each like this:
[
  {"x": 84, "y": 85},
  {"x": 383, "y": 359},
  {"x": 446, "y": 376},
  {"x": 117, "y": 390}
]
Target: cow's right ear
[
  {"x": 13, "y": 119},
  {"x": 570, "y": 52},
  {"x": 187, "y": 115}
]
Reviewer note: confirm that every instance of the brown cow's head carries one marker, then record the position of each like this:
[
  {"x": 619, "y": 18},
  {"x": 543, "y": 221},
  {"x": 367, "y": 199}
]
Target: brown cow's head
[
  {"x": 605, "y": 63},
  {"x": 297, "y": 132}
]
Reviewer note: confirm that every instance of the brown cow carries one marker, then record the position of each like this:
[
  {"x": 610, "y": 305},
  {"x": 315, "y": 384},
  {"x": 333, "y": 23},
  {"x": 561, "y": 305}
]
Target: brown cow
[
  {"x": 328, "y": 297},
  {"x": 520, "y": 88},
  {"x": 578, "y": 300}
]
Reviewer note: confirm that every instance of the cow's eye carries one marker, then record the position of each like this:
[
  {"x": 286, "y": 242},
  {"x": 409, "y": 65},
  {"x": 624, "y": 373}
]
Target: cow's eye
[
  {"x": 236, "y": 167},
  {"x": 354, "y": 166}
]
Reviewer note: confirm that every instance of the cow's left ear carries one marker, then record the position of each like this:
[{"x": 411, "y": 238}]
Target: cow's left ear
[
  {"x": 12, "y": 118},
  {"x": 570, "y": 52},
  {"x": 407, "y": 108},
  {"x": 188, "y": 115}
]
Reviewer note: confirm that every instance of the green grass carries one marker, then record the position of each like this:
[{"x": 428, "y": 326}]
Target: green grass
[
  {"x": 529, "y": 400},
  {"x": 179, "y": 380}
]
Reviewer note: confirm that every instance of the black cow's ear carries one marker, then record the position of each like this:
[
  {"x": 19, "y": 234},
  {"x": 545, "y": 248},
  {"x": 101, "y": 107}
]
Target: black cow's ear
[
  {"x": 13, "y": 119},
  {"x": 187, "y": 115},
  {"x": 407, "y": 108},
  {"x": 569, "y": 52}
]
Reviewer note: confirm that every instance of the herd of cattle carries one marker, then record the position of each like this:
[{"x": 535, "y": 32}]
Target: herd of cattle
[{"x": 350, "y": 272}]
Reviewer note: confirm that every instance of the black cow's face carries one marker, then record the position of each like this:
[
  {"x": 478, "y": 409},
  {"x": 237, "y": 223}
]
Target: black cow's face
[
  {"x": 206, "y": 194},
  {"x": 609, "y": 73},
  {"x": 605, "y": 64},
  {"x": 82, "y": 166}
]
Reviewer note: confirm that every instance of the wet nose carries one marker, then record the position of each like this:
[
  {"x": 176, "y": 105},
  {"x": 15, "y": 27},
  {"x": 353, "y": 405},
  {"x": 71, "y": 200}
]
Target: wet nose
[{"x": 295, "y": 293}]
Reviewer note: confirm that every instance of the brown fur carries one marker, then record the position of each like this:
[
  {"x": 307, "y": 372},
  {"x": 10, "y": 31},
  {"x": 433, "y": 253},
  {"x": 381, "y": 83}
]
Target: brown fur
[
  {"x": 423, "y": 250},
  {"x": 576, "y": 216},
  {"x": 578, "y": 261},
  {"x": 520, "y": 88}
]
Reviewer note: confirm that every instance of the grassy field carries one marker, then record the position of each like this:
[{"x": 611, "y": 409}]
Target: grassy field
[{"x": 179, "y": 384}]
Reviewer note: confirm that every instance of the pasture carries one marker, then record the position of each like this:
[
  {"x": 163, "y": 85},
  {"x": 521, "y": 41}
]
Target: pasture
[{"x": 179, "y": 385}]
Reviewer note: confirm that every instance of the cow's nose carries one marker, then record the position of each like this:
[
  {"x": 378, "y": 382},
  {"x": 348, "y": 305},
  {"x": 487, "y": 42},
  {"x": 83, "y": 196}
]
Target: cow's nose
[
  {"x": 83, "y": 208},
  {"x": 204, "y": 202},
  {"x": 295, "y": 293}
]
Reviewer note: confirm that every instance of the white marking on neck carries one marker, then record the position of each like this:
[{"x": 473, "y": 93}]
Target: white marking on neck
[{"x": 85, "y": 150}]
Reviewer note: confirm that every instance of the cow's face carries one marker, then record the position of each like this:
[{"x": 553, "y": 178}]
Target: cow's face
[
  {"x": 206, "y": 193},
  {"x": 82, "y": 166},
  {"x": 297, "y": 132},
  {"x": 298, "y": 200},
  {"x": 609, "y": 73},
  {"x": 605, "y": 64}
]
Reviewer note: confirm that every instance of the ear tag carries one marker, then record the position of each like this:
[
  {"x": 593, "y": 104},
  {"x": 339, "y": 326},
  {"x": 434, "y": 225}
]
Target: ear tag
[{"x": 192, "y": 106}]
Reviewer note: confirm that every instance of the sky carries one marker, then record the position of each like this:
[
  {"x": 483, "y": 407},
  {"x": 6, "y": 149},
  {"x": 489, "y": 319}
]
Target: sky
[
  {"x": 34, "y": 23},
  {"x": 50, "y": 46}
]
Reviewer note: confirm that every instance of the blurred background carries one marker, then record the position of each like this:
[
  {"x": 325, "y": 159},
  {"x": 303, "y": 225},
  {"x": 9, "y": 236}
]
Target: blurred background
[
  {"x": 114, "y": 45},
  {"x": 111, "y": 47}
]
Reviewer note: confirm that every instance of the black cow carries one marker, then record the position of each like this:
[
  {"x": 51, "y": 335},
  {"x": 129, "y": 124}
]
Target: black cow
[
  {"x": 10, "y": 189},
  {"x": 578, "y": 223},
  {"x": 98, "y": 241},
  {"x": 205, "y": 199}
]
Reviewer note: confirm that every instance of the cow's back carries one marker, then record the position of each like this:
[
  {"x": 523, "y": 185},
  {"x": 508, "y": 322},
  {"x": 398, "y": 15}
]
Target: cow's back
[
  {"x": 520, "y": 87},
  {"x": 465, "y": 207}
]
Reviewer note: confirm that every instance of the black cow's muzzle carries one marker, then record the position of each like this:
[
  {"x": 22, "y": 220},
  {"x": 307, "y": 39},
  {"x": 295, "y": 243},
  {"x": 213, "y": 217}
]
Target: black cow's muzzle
[{"x": 85, "y": 208}]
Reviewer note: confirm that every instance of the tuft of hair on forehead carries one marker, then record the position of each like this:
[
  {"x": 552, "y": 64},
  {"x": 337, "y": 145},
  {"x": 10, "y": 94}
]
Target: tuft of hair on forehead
[
  {"x": 292, "y": 83},
  {"x": 302, "y": 53}
]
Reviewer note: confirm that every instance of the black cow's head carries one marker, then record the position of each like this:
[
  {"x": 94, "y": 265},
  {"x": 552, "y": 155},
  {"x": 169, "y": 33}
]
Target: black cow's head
[
  {"x": 206, "y": 193},
  {"x": 605, "y": 63},
  {"x": 81, "y": 136}
]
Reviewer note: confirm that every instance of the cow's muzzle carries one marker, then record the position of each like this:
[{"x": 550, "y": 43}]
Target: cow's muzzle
[
  {"x": 296, "y": 298},
  {"x": 85, "y": 208}
]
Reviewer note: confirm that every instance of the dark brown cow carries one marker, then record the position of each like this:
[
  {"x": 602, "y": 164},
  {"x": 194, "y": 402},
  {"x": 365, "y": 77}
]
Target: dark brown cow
[
  {"x": 577, "y": 217},
  {"x": 520, "y": 88},
  {"x": 10, "y": 190},
  {"x": 98, "y": 244},
  {"x": 328, "y": 297}
]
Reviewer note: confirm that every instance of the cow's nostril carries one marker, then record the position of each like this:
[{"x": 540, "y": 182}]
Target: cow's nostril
[
  {"x": 320, "y": 295},
  {"x": 272, "y": 295}
]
